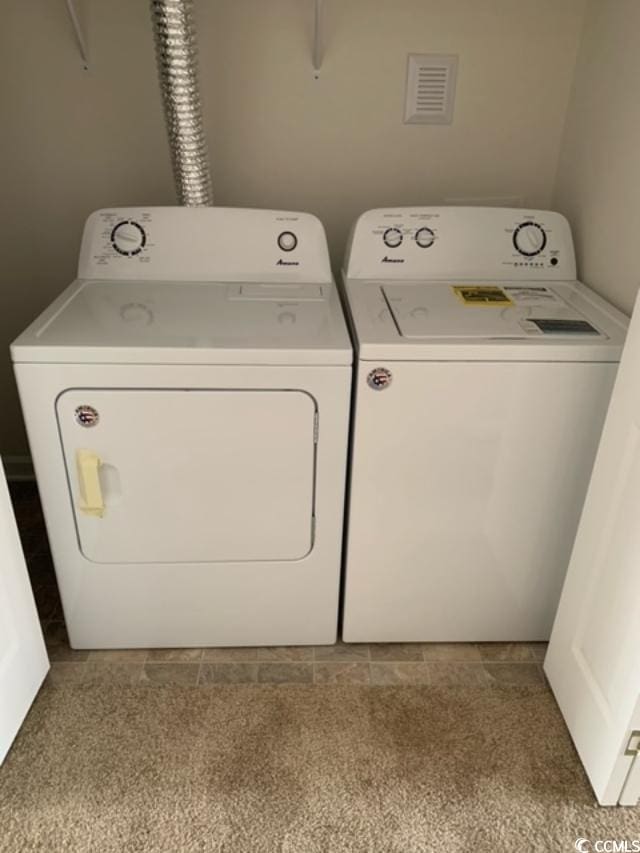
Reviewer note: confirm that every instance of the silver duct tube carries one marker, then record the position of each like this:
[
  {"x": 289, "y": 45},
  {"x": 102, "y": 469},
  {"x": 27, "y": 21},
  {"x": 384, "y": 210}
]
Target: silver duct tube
[{"x": 178, "y": 71}]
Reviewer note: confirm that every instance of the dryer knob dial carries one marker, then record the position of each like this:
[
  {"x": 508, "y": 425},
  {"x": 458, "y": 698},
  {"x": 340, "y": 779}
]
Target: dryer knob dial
[
  {"x": 128, "y": 237},
  {"x": 529, "y": 239}
]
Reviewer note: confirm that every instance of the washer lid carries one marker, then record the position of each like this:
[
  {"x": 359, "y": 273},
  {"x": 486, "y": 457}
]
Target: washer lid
[
  {"x": 480, "y": 320},
  {"x": 189, "y": 323},
  {"x": 486, "y": 311}
]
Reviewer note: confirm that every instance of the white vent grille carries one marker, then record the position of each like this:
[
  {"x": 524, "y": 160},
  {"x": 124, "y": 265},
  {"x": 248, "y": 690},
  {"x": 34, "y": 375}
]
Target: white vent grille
[{"x": 431, "y": 84}]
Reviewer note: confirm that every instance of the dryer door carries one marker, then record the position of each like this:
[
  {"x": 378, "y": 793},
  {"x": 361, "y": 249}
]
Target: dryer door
[{"x": 165, "y": 476}]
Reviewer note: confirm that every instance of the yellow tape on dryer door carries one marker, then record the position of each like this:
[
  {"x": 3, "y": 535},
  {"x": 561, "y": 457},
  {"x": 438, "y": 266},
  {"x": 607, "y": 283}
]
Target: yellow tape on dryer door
[{"x": 88, "y": 467}]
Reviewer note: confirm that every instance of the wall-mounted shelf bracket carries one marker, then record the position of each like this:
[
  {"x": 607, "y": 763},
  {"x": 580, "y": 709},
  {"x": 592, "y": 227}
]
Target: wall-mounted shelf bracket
[
  {"x": 77, "y": 28},
  {"x": 318, "y": 51}
]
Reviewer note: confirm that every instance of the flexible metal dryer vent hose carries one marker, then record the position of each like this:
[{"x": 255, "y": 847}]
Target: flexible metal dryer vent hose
[{"x": 176, "y": 53}]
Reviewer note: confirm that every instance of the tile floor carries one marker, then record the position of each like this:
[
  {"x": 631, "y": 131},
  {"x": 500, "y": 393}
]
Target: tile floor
[{"x": 463, "y": 664}]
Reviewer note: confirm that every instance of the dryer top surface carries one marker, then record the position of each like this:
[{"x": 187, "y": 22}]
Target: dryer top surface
[{"x": 189, "y": 322}]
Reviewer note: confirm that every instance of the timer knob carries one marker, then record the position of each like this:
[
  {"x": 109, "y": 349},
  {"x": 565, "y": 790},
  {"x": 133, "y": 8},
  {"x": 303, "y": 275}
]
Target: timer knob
[
  {"x": 529, "y": 239},
  {"x": 392, "y": 237},
  {"x": 128, "y": 237}
]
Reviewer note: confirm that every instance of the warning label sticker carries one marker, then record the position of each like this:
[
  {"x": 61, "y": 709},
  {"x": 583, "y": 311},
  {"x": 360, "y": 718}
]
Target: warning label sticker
[
  {"x": 481, "y": 294},
  {"x": 536, "y": 295}
]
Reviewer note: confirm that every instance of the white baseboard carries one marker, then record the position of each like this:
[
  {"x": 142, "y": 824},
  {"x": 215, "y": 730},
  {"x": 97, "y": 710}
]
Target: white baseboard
[{"x": 18, "y": 467}]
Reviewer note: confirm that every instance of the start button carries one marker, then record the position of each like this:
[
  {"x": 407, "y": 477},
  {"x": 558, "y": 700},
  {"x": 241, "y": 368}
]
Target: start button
[{"x": 287, "y": 241}]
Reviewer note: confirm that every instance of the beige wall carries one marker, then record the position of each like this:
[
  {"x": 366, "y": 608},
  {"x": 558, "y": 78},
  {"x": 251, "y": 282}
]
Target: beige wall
[
  {"x": 598, "y": 184},
  {"x": 73, "y": 141}
]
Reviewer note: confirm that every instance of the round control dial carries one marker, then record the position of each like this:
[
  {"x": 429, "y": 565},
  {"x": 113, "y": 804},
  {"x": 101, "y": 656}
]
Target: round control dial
[
  {"x": 425, "y": 237},
  {"x": 128, "y": 237},
  {"x": 529, "y": 238},
  {"x": 392, "y": 237},
  {"x": 287, "y": 241}
]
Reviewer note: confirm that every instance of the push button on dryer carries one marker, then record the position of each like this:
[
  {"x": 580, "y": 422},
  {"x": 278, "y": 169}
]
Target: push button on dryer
[{"x": 287, "y": 241}]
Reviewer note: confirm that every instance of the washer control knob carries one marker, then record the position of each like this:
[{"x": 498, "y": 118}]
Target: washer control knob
[
  {"x": 128, "y": 237},
  {"x": 287, "y": 241},
  {"x": 425, "y": 237},
  {"x": 392, "y": 237},
  {"x": 529, "y": 239}
]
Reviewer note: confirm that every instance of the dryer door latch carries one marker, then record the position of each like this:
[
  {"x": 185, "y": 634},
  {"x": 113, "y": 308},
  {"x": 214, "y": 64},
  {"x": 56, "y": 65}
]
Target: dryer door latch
[{"x": 88, "y": 465}]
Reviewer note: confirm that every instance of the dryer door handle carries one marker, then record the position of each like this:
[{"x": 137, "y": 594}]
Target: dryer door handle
[{"x": 88, "y": 466}]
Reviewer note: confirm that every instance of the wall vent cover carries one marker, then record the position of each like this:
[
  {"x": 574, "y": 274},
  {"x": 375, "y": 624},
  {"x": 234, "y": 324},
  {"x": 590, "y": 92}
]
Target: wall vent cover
[{"x": 431, "y": 85}]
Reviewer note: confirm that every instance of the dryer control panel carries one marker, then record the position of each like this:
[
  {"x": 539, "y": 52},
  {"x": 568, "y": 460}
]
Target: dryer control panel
[
  {"x": 461, "y": 242},
  {"x": 203, "y": 244}
]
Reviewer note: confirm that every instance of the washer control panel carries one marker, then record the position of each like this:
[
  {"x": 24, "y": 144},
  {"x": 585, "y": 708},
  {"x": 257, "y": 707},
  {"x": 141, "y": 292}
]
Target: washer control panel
[
  {"x": 204, "y": 244},
  {"x": 466, "y": 242}
]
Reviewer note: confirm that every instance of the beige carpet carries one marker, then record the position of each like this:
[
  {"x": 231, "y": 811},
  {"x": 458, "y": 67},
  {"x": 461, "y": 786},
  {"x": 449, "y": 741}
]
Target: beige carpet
[{"x": 296, "y": 769}]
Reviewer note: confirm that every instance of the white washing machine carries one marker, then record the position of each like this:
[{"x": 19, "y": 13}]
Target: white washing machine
[
  {"x": 187, "y": 406},
  {"x": 483, "y": 376}
]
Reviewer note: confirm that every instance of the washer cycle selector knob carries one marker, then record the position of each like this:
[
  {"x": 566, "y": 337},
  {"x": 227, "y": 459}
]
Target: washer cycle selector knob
[
  {"x": 287, "y": 241},
  {"x": 392, "y": 237},
  {"x": 128, "y": 237},
  {"x": 425, "y": 237},
  {"x": 529, "y": 238}
]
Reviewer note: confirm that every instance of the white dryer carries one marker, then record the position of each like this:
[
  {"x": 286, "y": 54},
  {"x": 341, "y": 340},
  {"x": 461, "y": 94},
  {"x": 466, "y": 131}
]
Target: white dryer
[
  {"x": 483, "y": 376},
  {"x": 187, "y": 406}
]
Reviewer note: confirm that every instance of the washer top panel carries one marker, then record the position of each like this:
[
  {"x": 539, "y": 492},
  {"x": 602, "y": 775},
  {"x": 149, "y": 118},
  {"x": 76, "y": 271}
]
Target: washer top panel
[
  {"x": 483, "y": 320},
  {"x": 186, "y": 322},
  {"x": 485, "y": 311}
]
